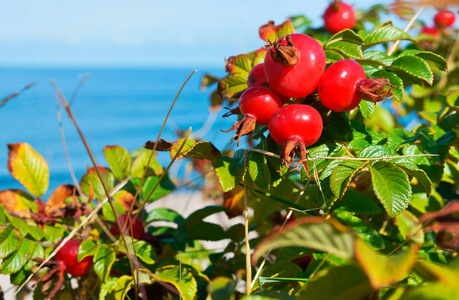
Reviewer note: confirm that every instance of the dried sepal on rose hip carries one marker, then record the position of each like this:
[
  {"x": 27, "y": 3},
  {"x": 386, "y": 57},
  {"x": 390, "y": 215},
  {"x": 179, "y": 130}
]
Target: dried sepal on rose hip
[
  {"x": 293, "y": 65},
  {"x": 295, "y": 127},
  {"x": 257, "y": 104},
  {"x": 374, "y": 89}
]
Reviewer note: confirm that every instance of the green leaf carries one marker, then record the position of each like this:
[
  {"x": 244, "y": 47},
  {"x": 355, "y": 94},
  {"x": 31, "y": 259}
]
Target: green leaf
[
  {"x": 377, "y": 58},
  {"x": 15, "y": 261},
  {"x": 421, "y": 176},
  {"x": 363, "y": 230},
  {"x": 342, "y": 175},
  {"x": 140, "y": 163},
  {"x": 311, "y": 232},
  {"x": 200, "y": 214},
  {"x": 119, "y": 161},
  {"x": 5, "y": 232},
  {"x": 103, "y": 261},
  {"x": 164, "y": 214},
  {"x": 339, "y": 128},
  {"x": 391, "y": 186},
  {"x": 348, "y": 49},
  {"x": 346, "y": 35},
  {"x": 357, "y": 203},
  {"x": 29, "y": 168},
  {"x": 412, "y": 69},
  {"x": 143, "y": 250},
  {"x": 91, "y": 184},
  {"x": 383, "y": 271},
  {"x": 409, "y": 226},
  {"x": 116, "y": 287},
  {"x": 222, "y": 288},
  {"x": 358, "y": 145},
  {"x": 398, "y": 90},
  {"x": 10, "y": 243},
  {"x": 87, "y": 248},
  {"x": 53, "y": 234},
  {"x": 324, "y": 150},
  {"x": 165, "y": 187},
  {"x": 333, "y": 56},
  {"x": 195, "y": 150},
  {"x": 340, "y": 283},
  {"x": 206, "y": 231},
  {"x": 230, "y": 170},
  {"x": 258, "y": 170},
  {"x": 208, "y": 80},
  {"x": 269, "y": 295},
  {"x": 426, "y": 55},
  {"x": 385, "y": 34},
  {"x": 182, "y": 279},
  {"x": 432, "y": 291},
  {"x": 379, "y": 151},
  {"x": 19, "y": 224},
  {"x": 453, "y": 98},
  {"x": 367, "y": 108}
]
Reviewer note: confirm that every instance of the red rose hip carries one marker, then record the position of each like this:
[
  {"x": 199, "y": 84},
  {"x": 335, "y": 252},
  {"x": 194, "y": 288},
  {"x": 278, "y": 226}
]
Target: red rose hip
[
  {"x": 338, "y": 85},
  {"x": 293, "y": 65},
  {"x": 257, "y": 77},
  {"x": 444, "y": 18},
  {"x": 257, "y": 104},
  {"x": 136, "y": 230},
  {"x": 67, "y": 256},
  {"x": 339, "y": 16},
  {"x": 295, "y": 127}
]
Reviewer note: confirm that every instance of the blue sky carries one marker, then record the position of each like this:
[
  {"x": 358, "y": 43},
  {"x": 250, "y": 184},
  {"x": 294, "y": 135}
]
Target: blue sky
[{"x": 141, "y": 33}]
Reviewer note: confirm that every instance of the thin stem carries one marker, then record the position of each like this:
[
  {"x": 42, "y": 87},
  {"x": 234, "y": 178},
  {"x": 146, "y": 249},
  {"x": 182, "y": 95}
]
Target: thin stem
[
  {"x": 450, "y": 61},
  {"x": 248, "y": 259},
  {"x": 8, "y": 98},
  {"x": 91, "y": 156},
  {"x": 395, "y": 45}
]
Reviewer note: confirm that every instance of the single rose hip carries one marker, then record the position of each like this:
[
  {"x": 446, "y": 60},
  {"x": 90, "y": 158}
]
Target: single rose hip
[
  {"x": 433, "y": 31},
  {"x": 338, "y": 85},
  {"x": 339, "y": 16},
  {"x": 257, "y": 104},
  {"x": 257, "y": 77},
  {"x": 136, "y": 230},
  {"x": 67, "y": 257},
  {"x": 293, "y": 65},
  {"x": 295, "y": 127},
  {"x": 444, "y": 18}
]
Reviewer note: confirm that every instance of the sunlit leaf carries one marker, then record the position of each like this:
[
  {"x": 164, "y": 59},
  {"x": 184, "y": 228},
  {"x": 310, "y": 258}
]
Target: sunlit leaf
[
  {"x": 16, "y": 202},
  {"x": 270, "y": 32},
  {"x": 119, "y": 161},
  {"x": 103, "y": 261}
]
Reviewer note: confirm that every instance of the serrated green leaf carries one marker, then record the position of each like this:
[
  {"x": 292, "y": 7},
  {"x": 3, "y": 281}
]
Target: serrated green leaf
[
  {"x": 19, "y": 224},
  {"x": 348, "y": 49},
  {"x": 383, "y": 271},
  {"x": 116, "y": 287},
  {"x": 5, "y": 232},
  {"x": 103, "y": 261},
  {"x": 339, "y": 128},
  {"x": 182, "y": 279},
  {"x": 376, "y": 58},
  {"x": 385, "y": 34},
  {"x": 342, "y": 175},
  {"x": 379, "y": 151},
  {"x": 91, "y": 184},
  {"x": 29, "y": 168},
  {"x": 38, "y": 252},
  {"x": 140, "y": 162},
  {"x": 427, "y": 55},
  {"x": 340, "y": 283},
  {"x": 87, "y": 248},
  {"x": 325, "y": 150},
  {"x": 358, "y": 145},
  {"x": 258, "y": 170},
  {"x": 53, "y": 234},
  {"x": 333, "y": 56},
  {"x": 310, "y": 232},
  {"x": 206, "y": 231},
  {"x": 10, "y": 243},
  {"x": 398, "y": 90},
  {"x": 363, "y": 230},
  {"x": 16, "y": 260},
  {"x": 412, "y": 69},
  {"x": 119, "y": 161},
  {"x": 346, "y": 35},
  {"x": 164, "y": 214},
  {"x": 421, "y": 176},
  {"x": 391, "y": 186},
  {"x": 230, "y": 170},
  {"x": 367, "y": 108}
]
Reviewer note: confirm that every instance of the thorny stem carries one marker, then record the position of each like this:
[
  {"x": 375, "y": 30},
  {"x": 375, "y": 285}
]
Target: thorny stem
[{"x": 107, "y": 193}]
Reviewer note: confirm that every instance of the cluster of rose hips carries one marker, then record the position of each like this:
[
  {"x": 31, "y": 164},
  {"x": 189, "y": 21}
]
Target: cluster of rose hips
[
  {"x": 294, "y": 68},
  {"x": 443, "y": 19}
]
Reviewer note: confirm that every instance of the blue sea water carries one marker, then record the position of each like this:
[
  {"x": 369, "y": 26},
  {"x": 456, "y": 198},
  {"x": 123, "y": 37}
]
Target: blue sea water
[{"x": 123, "y": 107}]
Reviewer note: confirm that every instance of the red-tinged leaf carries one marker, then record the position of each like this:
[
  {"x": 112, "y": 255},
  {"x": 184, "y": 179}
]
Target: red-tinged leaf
[
  {"x": 233, "y": 200},
  {"x": 29, "y": 168},
  {"x": 383, "y": 271},
  {"x": 91, "y": 184},
  {"x": 16, "y": 202},
  {"x": 55, "y": 206},
  {"x": 451, "y": 208},
  {"x": 195, "y": 150},
  {"x": 125, "y": 199},
  {"x": 270, "y": 32}
]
